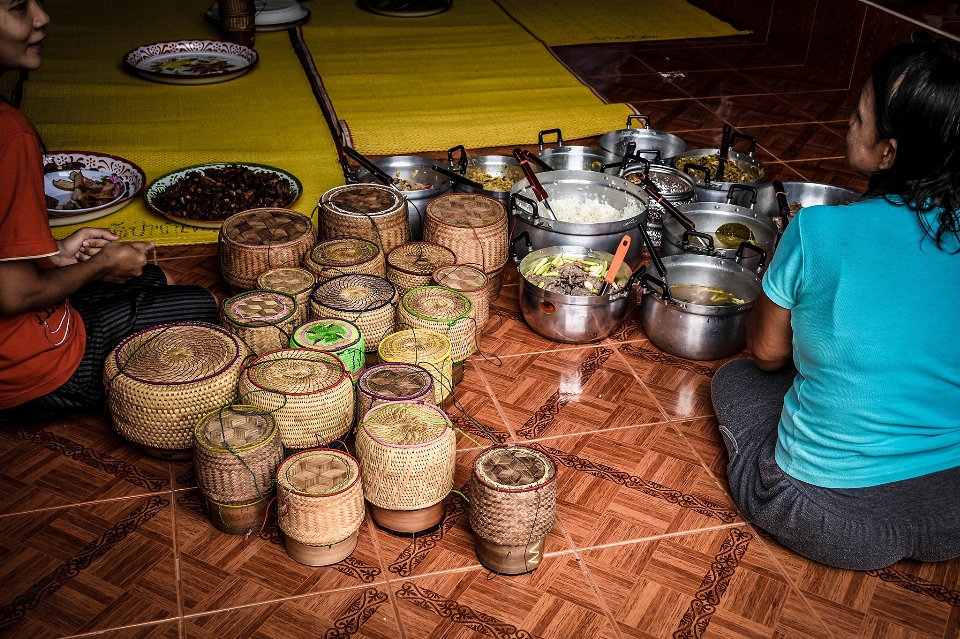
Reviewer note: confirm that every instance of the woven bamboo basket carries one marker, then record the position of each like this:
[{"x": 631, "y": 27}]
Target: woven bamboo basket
[
  {"x": 426, "y": 348},
  {"x": 345, "y": 255},
  {"x": 254, "y": 241},
  {"x": 336, "y": 336},
  {"x": 470, "y": 281},
  {"x": 373, "y": 212},
  {"x": 412, "y": 264},
  {"x": 236, "y": 451},
  {"x": 442, "y": 310},
  {"x": 320, "y": 505},
  {"x": 474, "y": 227},
  {"x": 292, "y": 280},
  {"x": 368, "y": 301},
  {"x": 162, "y": 380},
  {"x": 408, "y": 452},
  {"x": 264, "y": 320},
  {"x": 513, "y": 506},
  {"x": 394, "y": 382}
]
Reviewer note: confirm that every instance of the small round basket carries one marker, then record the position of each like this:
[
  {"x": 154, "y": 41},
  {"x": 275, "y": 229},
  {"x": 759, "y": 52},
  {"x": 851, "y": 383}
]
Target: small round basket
[
  {"x": 442, "y": 310},
  {"x": 373, "y": 212},
  {"x": 254, "y": 241},
  {"x": 470, "y": 281},
  {"x": 368, "y": 301},
  {"x": 412, "y": 264},
  {"x": 320, "y": 506},
  {"x": 408, "y": 454},
  {"x": 264, "y": 320},
  {"x": 308, "y": 392},
  {"x": 426, "y": 348},
  {"x": 236, "y": 452},
  {"x": 513, "y": 506},
  {"x": 345, "y": 255},
  {"x": 292, "y": 280},
  {"x": 336, "y": 336},
  {"x": 394, "y": 382},
  {"x": 162, "y": 380},
  {"x": 474, "y": 227}
]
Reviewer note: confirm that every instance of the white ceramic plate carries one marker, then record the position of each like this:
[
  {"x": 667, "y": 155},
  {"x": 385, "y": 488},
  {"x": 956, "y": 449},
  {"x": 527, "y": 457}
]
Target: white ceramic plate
[
  {"x": 96, "y": 166},
  {"x": 191, "y": 61},
  {"x": 272, "y": 15}
]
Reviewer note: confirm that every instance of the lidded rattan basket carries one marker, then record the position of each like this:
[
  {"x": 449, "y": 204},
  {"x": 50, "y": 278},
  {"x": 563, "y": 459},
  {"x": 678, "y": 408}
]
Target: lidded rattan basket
[
  {"x": 345, "y": 255},
  {"x": 373, "y": 212},
  {"x": 471, "y": 282},
  {"x": 320, "y": 505},
  {"x": 408, "y": 452},
  {"x": 442, "y": 310},
  {"x": 292, "y": 280},
  {"x": 392, "y": 382},
  {"x": 333, "y": 335},
  {"x": 256, "y": 240},
  {"x": 513, "y": 506},
  {"x": 412, "y": 264},
  {"x": 308, "y": 392},
  {"x": 264, "y": 320},
  {"x": 426, "y": 348},
  {"x": 160, "y": 381},
  {"x": 368, "y": 301},
  {"x": 474, "y": 227}
]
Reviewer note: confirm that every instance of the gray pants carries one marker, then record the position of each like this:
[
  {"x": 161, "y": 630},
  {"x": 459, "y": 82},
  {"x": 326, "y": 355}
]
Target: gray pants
[{"x": 854, "y": 528}]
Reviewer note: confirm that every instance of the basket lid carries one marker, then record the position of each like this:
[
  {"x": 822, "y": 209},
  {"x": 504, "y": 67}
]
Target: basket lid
[
  {"x": 405, "y": 424},
  {"x": 266, "y": 227},
  {"x": 436, "y": 304},
  {"x": 355, "y": 292},
  {"x": 396, "y": 380},
  {"x": 287, "y": 279},
  {"x": 461, "y": 277},
  {"x": 414, "y": 346},
  {"x": 327, "y": 334},
  {"x": 234, "y": 428},
  {"x": 466, "y": 210},
  {"x": 296, "y": 371},
  {"x": 259, "y": 308},
  {"x": 362, "y": 199},
  {"x": 318, "y": 472},
  {"x": 419, "y": 258},
  {"x": 344, "y": 251},
  {"x": 171, "y": 354},
  {"x": 514, "y": 468}
]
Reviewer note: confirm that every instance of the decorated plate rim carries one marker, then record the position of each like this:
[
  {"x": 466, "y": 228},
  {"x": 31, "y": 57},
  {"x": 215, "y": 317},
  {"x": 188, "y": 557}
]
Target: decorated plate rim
[
  {"x": 250, "y": 56},
  {"x": 132, "y": 192}
]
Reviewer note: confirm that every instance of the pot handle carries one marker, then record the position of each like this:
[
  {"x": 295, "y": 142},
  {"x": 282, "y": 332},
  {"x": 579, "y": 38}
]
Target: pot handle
[
  {"x": 375, "y": 170},
  {"x": 742, "y": 187},
  {"x": 744, "y": 246},
  {"x": 516, "y": 202},
  {"x": 783, "y": 205},
  {"x": 743, "y": 136},
  {"x": 643, "y": 118},
  {"x": 348, "y": 174},
  {"x": 632, "y": 159},
  {"x": 657, "y": 262},
  {"x": 513, "y": 245},
  {"x": 646, "y": 279},
  {"x": 689, "y": 166},
  {"x": 547, "y": 132},
  {"x": 706, "y": 240},
  {"x": 657, "y": 157},
  {"x": 460, "y": 166}
]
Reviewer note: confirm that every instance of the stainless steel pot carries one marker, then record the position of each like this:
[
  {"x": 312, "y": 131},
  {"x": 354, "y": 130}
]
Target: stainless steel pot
[
  {"x": 644, "y": 139},
  {"x": 496, "y": 165},
  {"x": 707, "y": 187},
  {"x": 805, "y": 193},
  {"x": 416, "y": 168},
  {"x": 674, "y": 185},
  {"x": 532, "y": 226},
  {"x": 573, "y": 319},
  {"x": 576, "y": 158}
]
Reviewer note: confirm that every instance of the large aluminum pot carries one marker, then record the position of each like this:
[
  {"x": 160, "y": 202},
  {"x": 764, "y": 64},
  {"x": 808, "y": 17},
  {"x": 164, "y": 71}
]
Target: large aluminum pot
[
  {"x": 674, "y": 185},
  {"x": 416, "y": 169},
  {"x": 531, "y": 224},
  {"x": 573, "y": 319},
  {"x": 504, "y": 166},
  {"x": 576, "y": 158},
  {"x": 704, "y": 181},
  {"x": 644, "y": 139},
  {"x": 804, "y": 193}
]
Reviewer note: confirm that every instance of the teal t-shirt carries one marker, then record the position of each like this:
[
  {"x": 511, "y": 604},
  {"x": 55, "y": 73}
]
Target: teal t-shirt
[{"x": 875, "y": 310}]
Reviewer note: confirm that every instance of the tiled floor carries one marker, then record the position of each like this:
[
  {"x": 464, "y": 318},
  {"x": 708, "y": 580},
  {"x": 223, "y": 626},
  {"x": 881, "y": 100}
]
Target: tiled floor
[{"x": 98, "y": 539}]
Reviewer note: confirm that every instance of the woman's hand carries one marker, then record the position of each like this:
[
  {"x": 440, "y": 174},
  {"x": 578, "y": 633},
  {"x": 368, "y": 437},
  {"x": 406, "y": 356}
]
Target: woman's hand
[
  {"x": 122, "y": 261},
  {"x": 81, "y": 245}
]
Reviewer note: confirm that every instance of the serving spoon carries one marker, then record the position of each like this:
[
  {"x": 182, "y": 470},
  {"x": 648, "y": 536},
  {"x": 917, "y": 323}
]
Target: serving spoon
[{"x": 538, "y": 190}]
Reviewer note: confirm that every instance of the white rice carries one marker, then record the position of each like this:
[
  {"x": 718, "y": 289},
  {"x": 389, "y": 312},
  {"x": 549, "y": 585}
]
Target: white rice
[{"x": 590, "y": 210}]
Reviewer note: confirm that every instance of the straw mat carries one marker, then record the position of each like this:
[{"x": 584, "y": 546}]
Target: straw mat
[
  {"x": 470, "y": 76},
  {"x": 560, "y": 22},
  {"x": 83, "y": 99}
]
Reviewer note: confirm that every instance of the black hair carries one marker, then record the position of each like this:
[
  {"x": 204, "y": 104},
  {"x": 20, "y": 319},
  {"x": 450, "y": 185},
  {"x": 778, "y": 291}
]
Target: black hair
[{"x": 917, "y": 89}]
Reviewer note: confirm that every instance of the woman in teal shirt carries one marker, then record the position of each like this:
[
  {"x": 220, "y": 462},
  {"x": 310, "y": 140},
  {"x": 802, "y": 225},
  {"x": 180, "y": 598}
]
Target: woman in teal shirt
[{"x": 843, "y": 431}]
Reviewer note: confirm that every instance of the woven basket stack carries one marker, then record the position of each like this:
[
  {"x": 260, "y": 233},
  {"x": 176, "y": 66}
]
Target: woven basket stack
[
  {"x": 345, "y": 255},
  {"x": 470, "y": 281},
  {"x": 336, "y": 336},
  {"x": 394, "y": 382},
  {"x": 442, "y": 310},
  {"x": 367, "y": 301},
  {"x": 256, "y": 240},
  {"x": 263, "y": 320},
  {"x": 292, "y": 280},
  {"x": 412, "y": 264},
  {"x": 426, "y": 348},
  {"x": 370, "y": 211}
]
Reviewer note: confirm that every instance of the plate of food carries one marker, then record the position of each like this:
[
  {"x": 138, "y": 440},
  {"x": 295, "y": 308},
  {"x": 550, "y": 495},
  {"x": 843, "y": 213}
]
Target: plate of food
[
  {"x": 205, "y": 195},
  {"x": 82, "y": 185},
  {"x": 272, "y": 15},
  {"x": 191, "y": 61}
]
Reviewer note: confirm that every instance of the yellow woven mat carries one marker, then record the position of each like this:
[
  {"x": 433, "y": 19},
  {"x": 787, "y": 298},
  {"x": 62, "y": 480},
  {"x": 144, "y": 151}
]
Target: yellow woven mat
[
  {"x": 83, "y": 99},
  {"x": 559, "y": 22},
  {"x": 470, "y": 76}
]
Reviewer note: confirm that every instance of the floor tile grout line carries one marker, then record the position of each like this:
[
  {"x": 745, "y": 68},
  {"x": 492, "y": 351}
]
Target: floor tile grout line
[
  {"x": 385, "y": 570},
  {"x": 83, "y": 504},
  {"x": 660, "y": 537},
  {"x": 725, "y": 491},
  {"x": 636, "y": 376},
  {"x": 102, "y": 631}
]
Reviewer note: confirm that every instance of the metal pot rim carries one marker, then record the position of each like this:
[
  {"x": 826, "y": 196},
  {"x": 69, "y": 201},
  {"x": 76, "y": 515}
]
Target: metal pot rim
[
  {"x": 704, "y": 260},
  {"x": 733, "y": 155},
  {"x": 575, "y": 300}
]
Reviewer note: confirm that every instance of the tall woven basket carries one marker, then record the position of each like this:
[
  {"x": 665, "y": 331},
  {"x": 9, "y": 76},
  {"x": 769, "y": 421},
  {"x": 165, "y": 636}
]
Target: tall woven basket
[
  {"x": 345, "y": 255},
  {"x": 426, "y": 348},
  {"x": 366, "y": 300},
  {"x": 162, "y": 380},
  {"x": 308, "y": 392},
  {"x": 408, "y": 454},
  {"x": 393, "y": 382},
  {"x": 256, "y": 240},
  {"x": 373, "y": 212},
  {"x": 513, "y": 505},
  {"x": 236, "y": 452},
  {"x": 320, "y": 506},
  {"x": 333, "y": 335},
  {"x": 264, "y": 320},
  {"x": 292, "y": 280},
  {"x": 471, "y": 282},
  {"x": 412, "y": 264},
  {"x": 442, "y": 310},
  {"x": 474, "y": 227}
]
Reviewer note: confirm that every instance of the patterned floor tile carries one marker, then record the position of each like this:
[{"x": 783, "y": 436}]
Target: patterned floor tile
[
  {"x": 754, "y": 110},
  {"x": 711, "y": 84},
  {"x": 474, "y": 415},
  {"x": 790, "y": 142},
  {"x": 678, "y": 116}
]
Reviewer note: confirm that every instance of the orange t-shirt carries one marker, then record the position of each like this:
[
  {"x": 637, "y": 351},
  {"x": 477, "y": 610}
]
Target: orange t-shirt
[{"x": 39, "y": 351}]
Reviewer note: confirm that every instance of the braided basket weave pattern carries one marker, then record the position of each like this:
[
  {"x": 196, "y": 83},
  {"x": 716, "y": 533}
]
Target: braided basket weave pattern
[
  {"x": 263, "y": 320},
  {"x": 471, "y": 225},
  {"x": 336, "y": 336},
  {"x": 471, "y": 282},
  {"x": 367, "y": 301},
  {"x": 425, "y": 348},
  {"x": 256, "y": 240},
  {"x": 345, "y": 255},
  {"x": 292, "y": 280},
  {"x": 412, "y": 264},
  {"x": 391, "y": 382},
  {"x": 370, "y": 211},
  {"x": 442, "y": 310}
]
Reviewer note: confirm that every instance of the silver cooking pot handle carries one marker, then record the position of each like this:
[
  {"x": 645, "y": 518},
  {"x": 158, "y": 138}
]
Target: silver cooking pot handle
[
  {"x": 747, "y": 246},
  {"x": 643, "y": 118},
  {"x": 742, "y": 187},
  {"x": 460, "y": 165},
  {"x": 546, "y": 132},
  {"x": 513, "y": 245},
  {"x": 646, "y": 280}
]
